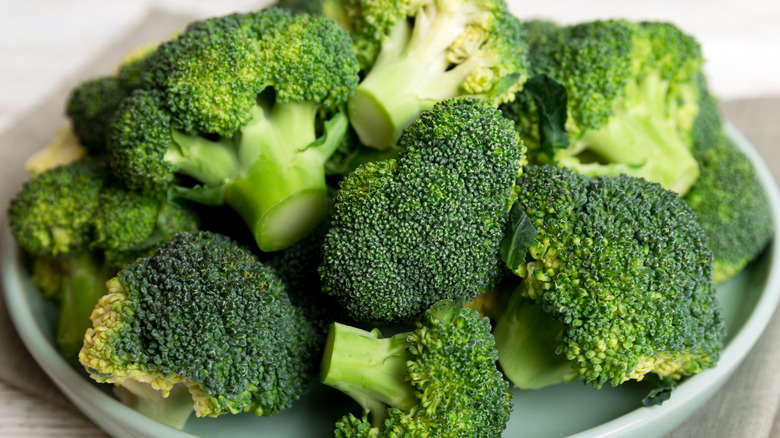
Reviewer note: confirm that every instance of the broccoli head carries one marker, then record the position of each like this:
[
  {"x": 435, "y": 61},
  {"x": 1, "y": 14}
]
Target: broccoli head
[
  {"x": 728, "y": 198},
  {"x": 630, "y": 96},
  {"x": 247, "y": 106},
  {"x": 79, "y": 227},
  {"x": 411, "y": 231},
  {"x": 53, "y": 213},
  {"x": 204, "y": 313},
  {"x": 417, "y": 53},
  {"x": 439, "y": 380},
  {"x": 617, "y": 284}
]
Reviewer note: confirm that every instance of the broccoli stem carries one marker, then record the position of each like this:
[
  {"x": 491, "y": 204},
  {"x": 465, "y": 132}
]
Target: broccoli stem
[
  {"x": 210, "y": 162},
  {"x": 281, "y": 191},
  {"x": 526, "y": 342},
  {"x": 642, "y": 139},
  {"x": 368, "y": 368},
  {"x": 82, "y": 287},
  {"x": 173, "y": 410},
  {"x": 411, "y": 74}
]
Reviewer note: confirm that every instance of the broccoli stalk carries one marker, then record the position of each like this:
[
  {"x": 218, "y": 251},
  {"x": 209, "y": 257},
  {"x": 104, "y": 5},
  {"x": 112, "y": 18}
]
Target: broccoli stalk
[
  {"x": 173, "y": 410},
  {"x": 453, "y": 49},
  {"x": 369, "y": 368},
  {"x": 272, "y": 174},
  {"x": 640, "y": 139},
  {"x": 81, "y": 288},
  {"x": 283, "y": 195},
  {"x": 524, "y": 330}
]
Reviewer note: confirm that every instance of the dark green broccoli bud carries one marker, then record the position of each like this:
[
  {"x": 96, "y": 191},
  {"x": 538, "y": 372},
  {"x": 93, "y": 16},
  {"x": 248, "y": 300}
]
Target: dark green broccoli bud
[
  {"x": 728, "y": 198},
  {"x": 204, "y": 313},
  {"x": 622, "y": 267},
  {"x": 440, "y": 380},
  {"x": 248, "y": 105},
  {"x": 52, "y": 214},
  {"x": 409, "y": 232},
  {"x": 417, "y": 53},
  {"x": 631, "y": 96},
  {"x": 90, "y": 108}
]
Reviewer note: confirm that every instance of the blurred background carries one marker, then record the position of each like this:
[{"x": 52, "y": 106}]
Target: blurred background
[{"x": 44, "y": 42}]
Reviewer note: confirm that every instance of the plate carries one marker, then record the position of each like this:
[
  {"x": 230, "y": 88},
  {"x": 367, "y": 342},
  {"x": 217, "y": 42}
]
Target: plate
[{"x": 576, "y": 410}]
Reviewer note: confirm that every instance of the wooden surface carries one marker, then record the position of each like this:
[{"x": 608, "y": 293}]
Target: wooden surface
[
  {"x": 44, "y": 41},
  {"x": 23, "y": 415}
]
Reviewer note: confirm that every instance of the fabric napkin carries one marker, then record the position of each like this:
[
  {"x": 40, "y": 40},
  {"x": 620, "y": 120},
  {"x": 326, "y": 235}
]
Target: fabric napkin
[{"x": 746, "y": 406}]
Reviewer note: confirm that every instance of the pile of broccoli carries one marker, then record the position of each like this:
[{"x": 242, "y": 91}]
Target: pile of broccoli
[{"x": 236, "y": 210}]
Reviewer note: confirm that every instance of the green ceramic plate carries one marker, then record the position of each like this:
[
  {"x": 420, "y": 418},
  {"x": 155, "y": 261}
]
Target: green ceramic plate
[{"x": 577, "y": 410}]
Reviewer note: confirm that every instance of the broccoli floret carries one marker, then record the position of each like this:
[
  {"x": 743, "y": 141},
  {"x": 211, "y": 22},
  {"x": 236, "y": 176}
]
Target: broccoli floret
[
  {"x": 630, "y": 94},
  {"x": 409, "y": 232},
  {"x": 204, "y": 313},
  {"x": 131, "y": 70},
  {"x": 728, "y": 198},
  {"x": 248, "y": 105},
  {"x": 623, "y": 273},
  {"x": 53, "y": 213},
  {"x": 417, "y": 53},
  {"x": 79, "y": 227},
  {"x": 90, "y": 108},
  {"x": 439, "y": 380},
  {"x": 130, "y": 224}
]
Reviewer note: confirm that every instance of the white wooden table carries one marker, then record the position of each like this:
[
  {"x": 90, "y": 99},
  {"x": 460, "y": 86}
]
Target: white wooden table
[{"x": 43, "y": 41}]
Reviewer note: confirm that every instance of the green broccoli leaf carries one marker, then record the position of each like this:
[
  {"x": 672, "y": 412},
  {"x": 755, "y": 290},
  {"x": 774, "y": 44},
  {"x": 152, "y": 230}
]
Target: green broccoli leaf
[
  {"x": 519, "y": 236},
  {"x": 551, "y": 99}
]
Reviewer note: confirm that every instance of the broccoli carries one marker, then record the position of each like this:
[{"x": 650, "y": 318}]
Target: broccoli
[
  {"x": 617, "y": 284},
  {"x": 612, "y": 97},
  {"x": 409, "y": 232},
  {"x": 90, "y": 108},
  {"x": 53, "y": 213},
  {"x": 297, "y": 267},
  {"x": 334, "y": 9},
  {"x": 236, "y": 103},
  {"x": 728, "y": 198},
  {"x": 130, "y": 224},
  {"x": 439, "y": 380},
  {"x": 79, "y": 227},
  {"x": 204, "y": 313},
  {"x": 417, "y": 53}
]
